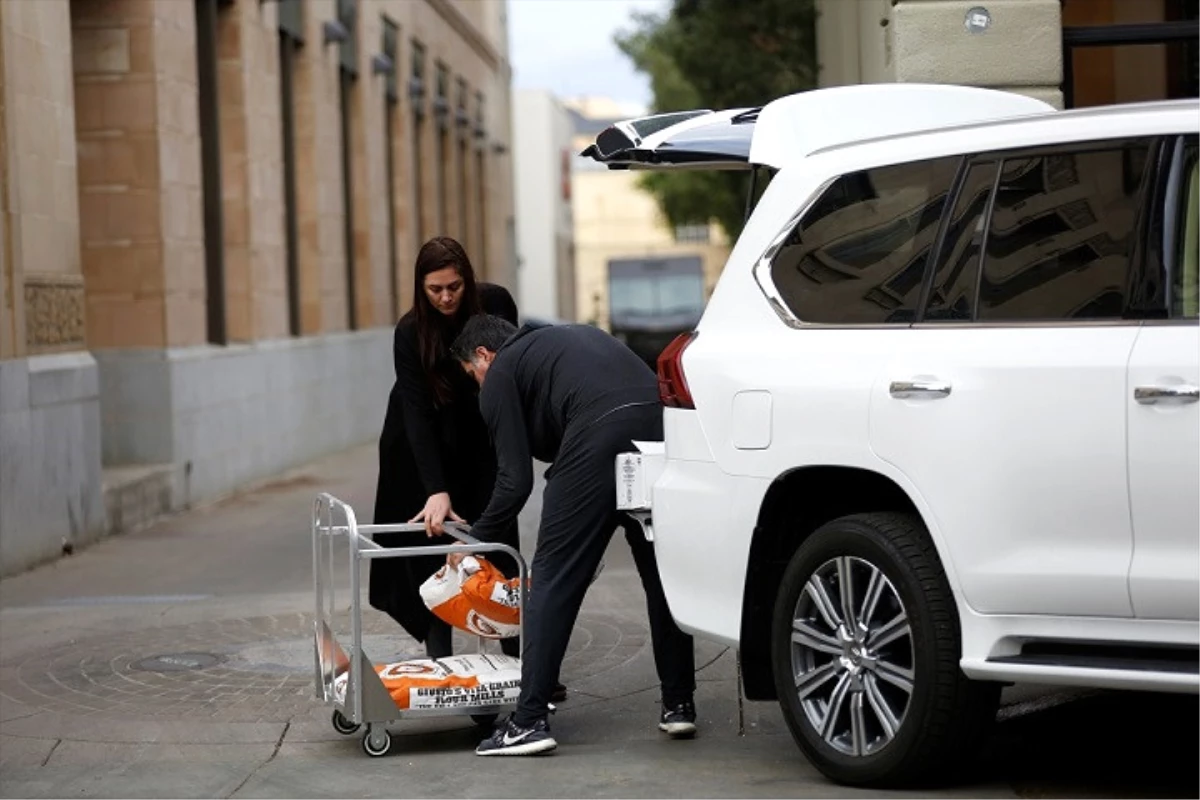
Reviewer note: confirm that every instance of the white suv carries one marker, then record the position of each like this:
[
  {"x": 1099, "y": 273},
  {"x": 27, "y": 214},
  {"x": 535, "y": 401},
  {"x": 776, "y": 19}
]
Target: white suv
[{"x": 937, "y": 430}]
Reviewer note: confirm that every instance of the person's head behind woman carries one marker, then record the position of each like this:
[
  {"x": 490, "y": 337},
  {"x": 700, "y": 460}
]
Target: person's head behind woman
[{"x": 444, "y": 297}]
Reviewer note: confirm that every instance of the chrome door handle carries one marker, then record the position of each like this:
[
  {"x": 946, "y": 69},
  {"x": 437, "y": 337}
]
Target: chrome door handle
[
  {"x": 1149, "y": 395},
  {"x": 919, "y": 389}
]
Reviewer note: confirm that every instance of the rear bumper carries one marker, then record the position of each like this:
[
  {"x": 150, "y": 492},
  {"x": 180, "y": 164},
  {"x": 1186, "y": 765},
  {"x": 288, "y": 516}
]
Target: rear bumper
[{"x": 701, "y": 521}]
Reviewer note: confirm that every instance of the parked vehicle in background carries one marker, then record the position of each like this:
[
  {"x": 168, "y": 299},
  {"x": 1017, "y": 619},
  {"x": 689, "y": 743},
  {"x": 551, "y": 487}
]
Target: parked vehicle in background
[
  {"x": 654, "y": 299},
  {"x": 937, "y": 430}
]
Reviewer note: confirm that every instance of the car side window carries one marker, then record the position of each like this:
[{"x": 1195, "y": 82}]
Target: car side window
[
  {"x": 1185, "y": 289},
  {"x": 858, "y": 256},
  {"x": 1060, "y": 239},
  {"x": 956, "y": 282}
]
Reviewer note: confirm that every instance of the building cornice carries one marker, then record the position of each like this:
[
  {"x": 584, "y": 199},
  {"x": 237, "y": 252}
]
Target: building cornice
[{"x": 463, "y": 27}]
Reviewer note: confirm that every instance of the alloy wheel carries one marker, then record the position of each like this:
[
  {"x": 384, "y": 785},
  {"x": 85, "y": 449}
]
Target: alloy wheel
[{"x": 852, "y": 656}]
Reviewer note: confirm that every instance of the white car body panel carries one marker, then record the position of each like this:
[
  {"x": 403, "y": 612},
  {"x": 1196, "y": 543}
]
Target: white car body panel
[
  {"x": 1164, "y": 460},
  {"x": 1029, "y": 412},
  {"x": 785, "y": 133},
  {"x": 700, "y": 507}
]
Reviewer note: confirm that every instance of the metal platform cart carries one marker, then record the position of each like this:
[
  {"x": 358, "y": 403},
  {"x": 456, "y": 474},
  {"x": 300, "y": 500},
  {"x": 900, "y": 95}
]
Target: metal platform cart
[{"x": 366, "y": 701}]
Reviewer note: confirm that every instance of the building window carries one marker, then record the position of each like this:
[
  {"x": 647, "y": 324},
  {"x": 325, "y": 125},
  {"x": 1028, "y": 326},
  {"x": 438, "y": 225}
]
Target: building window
[
  {"x": 416, "y": 94},
  {"x": 347, "y": 14},
  {"x": 291, "y": 38},
  {"x": 481, "y": 223},
  {"x": 441, "y": 113},
  {"x": 691, "y": 234},
  {"x": 462, "y": 124},
  {"x": 210, "y": 165},
  {"x": 391, "y": 39}
]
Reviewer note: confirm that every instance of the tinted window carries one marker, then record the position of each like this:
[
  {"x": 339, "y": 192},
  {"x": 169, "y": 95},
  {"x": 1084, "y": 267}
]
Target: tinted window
[
  {"x": 1061, "y": 236},
  {"x": 957, "y": 278},
  {"x": 858, "y": 256},
  {"x": 1185, "y": 283}
]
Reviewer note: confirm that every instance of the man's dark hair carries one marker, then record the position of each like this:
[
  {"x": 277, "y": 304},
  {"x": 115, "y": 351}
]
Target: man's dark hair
[{"x": 481, "y": 330}]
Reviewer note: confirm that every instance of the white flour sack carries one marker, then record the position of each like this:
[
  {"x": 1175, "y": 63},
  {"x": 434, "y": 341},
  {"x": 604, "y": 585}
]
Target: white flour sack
[
  {"x": 476, "y": 598},
  {"x": 478, "y": 679}
]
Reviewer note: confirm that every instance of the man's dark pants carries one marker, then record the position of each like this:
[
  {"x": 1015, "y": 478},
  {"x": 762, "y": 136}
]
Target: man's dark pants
[{"x": 578, "y": 520}]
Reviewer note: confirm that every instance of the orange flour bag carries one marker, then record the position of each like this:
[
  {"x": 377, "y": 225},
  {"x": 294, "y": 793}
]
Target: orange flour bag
[
  {"x": 476, "y": 598},
  {"x": 478, "y": 679},
  {"x": 490, "y": 594}
]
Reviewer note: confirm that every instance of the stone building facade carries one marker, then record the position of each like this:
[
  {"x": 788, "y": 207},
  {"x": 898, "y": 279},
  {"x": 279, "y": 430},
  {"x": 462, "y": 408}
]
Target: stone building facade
[
  {"x": 1070, "y": 53},
  {"x": 208, "y": 215}
]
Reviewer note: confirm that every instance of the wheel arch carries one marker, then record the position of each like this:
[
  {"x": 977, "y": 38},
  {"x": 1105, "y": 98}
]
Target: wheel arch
[{"x": 797, "y": 503}]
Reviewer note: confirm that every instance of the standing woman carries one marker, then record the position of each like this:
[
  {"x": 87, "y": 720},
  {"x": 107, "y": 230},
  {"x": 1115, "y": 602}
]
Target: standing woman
[{"x": 435, "y": 456}]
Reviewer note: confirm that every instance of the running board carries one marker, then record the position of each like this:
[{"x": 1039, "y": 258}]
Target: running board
[
  {"x": 1124, "y": 658},
  {"x": 1099, "y": 665}
]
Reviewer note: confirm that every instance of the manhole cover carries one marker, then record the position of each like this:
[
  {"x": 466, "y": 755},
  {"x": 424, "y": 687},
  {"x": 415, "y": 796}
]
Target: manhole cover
[{"x": 177, "y": 662}]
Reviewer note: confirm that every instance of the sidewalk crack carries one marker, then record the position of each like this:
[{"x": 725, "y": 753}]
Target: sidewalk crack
[
  {"x": 278, "y": 744},
  {"x": 7, "y": 720},
  {"x": 46, "y": 760},
  {"x": 711, "y": 661}
]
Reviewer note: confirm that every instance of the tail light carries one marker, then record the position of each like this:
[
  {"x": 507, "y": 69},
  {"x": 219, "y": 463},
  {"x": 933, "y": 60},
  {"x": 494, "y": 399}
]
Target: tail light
[{"x": 672, "y": 386}]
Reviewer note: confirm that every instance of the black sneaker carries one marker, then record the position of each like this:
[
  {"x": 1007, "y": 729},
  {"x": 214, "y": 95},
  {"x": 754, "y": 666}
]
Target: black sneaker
[
  {"x": 510, "y": 739},
  {"x": 679, "y": 721}
]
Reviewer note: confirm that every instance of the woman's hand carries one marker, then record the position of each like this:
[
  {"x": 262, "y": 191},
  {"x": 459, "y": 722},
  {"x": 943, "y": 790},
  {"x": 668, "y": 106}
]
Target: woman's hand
[{"x": 437, "y": 510}]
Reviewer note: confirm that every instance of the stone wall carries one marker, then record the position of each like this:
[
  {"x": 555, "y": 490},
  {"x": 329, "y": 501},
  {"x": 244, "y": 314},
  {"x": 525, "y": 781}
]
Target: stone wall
[
  {"x": 49, "y": 410},
  {"x": 50, "y": 497},
  {"x": 251, "y": 174},
  {"x": 43, "y": 310},
  {"x": 1015, "y": 45},
  {"x": 225, "y": 417}
]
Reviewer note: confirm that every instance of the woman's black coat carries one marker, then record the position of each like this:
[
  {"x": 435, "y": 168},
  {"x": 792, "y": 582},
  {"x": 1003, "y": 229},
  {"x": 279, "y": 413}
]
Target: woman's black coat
[{"x": 425, "y": 449}]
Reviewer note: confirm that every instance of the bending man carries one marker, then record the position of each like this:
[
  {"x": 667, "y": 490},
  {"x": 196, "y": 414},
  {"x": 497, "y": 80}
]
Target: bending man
[{"x": 574, "y": 396}]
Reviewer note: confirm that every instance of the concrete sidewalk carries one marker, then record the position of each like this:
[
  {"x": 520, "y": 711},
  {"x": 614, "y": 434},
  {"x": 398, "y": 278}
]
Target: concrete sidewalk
[{"x": 177, "y": 661}]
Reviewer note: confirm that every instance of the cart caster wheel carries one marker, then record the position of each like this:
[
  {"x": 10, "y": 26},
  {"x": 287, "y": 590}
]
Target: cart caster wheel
[
  {"x": 485, "y": 720},
  {"x": 376, "y": 743},
  {"x": 342, "y": 725}
]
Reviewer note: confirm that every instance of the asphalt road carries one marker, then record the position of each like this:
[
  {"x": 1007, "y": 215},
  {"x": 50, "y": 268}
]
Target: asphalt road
[{"x": 177, "y": 661}]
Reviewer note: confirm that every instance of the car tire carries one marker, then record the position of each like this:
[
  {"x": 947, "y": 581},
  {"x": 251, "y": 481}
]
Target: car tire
[{"x": 874, "y": 695}]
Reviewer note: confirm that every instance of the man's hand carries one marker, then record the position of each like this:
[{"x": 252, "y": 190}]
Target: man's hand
[
  {"x": 454, "y": 559},
  {"x": 437, "y": 510}
]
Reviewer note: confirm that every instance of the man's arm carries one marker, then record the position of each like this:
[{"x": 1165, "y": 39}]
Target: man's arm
[{"x": 500, "y": 404}]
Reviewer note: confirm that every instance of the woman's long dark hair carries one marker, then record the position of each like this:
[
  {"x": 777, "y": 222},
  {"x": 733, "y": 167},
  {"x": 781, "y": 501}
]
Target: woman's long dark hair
[{"x": 435, "y": 331}]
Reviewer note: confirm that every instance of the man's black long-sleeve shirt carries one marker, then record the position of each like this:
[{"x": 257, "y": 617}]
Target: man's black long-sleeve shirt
[{"x": 546, "y": 383}]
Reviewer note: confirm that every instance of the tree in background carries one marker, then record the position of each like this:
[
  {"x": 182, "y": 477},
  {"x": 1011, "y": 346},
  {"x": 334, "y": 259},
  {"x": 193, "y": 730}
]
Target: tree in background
[{"x": 719, "y": 54}]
